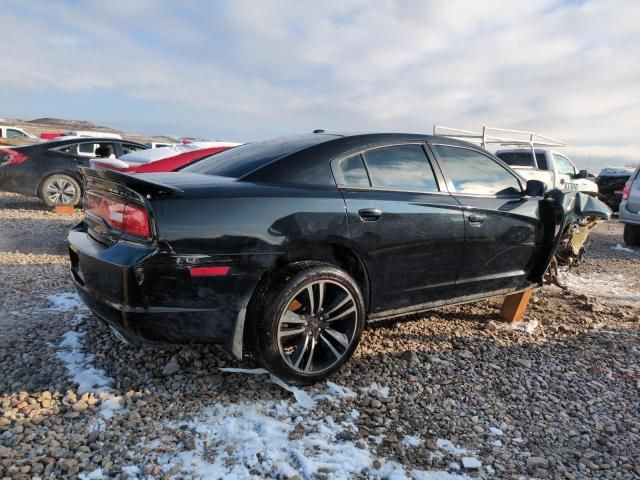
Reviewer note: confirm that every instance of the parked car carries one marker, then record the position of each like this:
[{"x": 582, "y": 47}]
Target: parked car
[
  {"x": 285, "y": 249},
  {"x": 611, "y": 181},
  {"x": 49, "y": 170},
  {"x": 7, "y": 131},
  {"x": 630, "y": 209},
  {"x": 168, "y": 164}
]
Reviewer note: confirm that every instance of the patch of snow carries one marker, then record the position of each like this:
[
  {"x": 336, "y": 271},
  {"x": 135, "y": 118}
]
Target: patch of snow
[
  {"x": 110, "y": 405},
  {"x": 411, "y": 441},
  {"x": 354, "y": 414},
  {"x": 490, "y": 470},
  {"x": 620, "y": 248},
  {"x": 497, "y": 443},
  {"x": 93, "y": 475},
  {"x": 255, "y": 440},
  {"x": 614, "y": 288},
  {"x": 454, "y": 466},
  {"x": 131, "y": 470},
  {"x": 65, "y": 302},
  {"x": 79, "y": 365},
  {"x": 471, "y": 463},
  {"x": 336, "y": 392},
  {"x": 422, "y": 475},
  {"x": 376, "y": 390},
  {"x": 496, "y": 431},
  {"x": 517, "y": 440},
  {"x": 528, "y": 327},
  {"x": 448, "y": 446}
]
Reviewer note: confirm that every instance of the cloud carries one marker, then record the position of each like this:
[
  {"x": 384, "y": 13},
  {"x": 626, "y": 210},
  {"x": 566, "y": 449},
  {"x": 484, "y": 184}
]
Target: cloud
[{"x": 250, "y": 69}]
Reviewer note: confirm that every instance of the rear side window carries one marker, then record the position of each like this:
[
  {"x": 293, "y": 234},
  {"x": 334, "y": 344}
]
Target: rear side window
[
  {"x": 523, "y": 159},
  {"x": 474, "y": 173},
  {"x": 128, "y": 148},
  {"x": 403, "y": 167},
  {"x": 14, "y": 133},
  {"x": 351, "y": 171}
]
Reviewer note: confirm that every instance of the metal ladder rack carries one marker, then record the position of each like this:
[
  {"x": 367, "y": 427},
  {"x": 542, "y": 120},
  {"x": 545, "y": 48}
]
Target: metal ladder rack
[{"x": 499, "y": 136}]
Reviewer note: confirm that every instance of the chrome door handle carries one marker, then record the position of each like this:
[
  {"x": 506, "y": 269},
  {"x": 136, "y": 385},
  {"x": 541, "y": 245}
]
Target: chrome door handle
[
  {"x": 475, "y": 218},
  {"x": 369, "y": 214}
]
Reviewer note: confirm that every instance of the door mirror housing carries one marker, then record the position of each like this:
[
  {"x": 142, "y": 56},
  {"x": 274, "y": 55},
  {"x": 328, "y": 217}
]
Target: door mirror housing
[
  {"x": 582, "y": 174},
  {"x": 535, "y": 188}
]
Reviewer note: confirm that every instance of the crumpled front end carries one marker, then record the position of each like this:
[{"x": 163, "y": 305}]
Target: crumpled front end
[{"x": 568, "y": 219}]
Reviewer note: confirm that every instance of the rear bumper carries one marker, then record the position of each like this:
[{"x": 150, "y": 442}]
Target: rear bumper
[
  {"x": 627, "y": 216},
  {"x": 148, "y": 297}
]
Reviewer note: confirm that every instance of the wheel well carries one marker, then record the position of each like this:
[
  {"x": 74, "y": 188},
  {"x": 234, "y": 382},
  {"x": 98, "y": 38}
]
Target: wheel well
[
  {"x": 69, "y": 173},
  {"x": 333, "y": 254}
]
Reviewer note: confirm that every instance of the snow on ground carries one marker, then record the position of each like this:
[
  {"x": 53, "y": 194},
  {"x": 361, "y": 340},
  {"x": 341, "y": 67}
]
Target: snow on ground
[
  {"x": 620, "y": 248},
  {"x": 611, "y": 288},
  {"x": 411, "y": 441},
  {"x": 273, "y": 439},
  {"x": 449, "y": 446},
  {"x": 79, "y": 364}
]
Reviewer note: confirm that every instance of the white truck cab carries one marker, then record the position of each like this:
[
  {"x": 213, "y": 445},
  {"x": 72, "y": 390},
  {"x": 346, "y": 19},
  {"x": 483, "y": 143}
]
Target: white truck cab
[
  {"x": 553, "y": 168},
  {"x": 7, "y": 131},
  {"x": 532, "y": 156}
]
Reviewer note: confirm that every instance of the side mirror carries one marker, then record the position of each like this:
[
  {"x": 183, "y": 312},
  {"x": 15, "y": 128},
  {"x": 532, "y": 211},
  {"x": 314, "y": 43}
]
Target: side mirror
[
  {"x": 583, "y": 174},
  {"x": 535, "y": 188}
]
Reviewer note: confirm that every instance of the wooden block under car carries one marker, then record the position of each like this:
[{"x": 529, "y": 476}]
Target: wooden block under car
[
  {"x": 515, "y": 305},
  {"x": 64, "y": 209}
]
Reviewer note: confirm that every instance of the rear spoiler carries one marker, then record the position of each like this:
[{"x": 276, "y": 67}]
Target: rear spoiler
[{"x": 110, "y": 180}]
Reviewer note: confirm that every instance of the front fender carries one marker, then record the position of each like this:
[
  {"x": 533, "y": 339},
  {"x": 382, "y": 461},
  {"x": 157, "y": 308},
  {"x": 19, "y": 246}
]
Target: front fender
[{"x": 559, "y": 210}]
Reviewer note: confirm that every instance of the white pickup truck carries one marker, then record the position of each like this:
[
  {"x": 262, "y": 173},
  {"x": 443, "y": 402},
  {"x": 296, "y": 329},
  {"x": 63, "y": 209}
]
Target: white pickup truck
[
  {"x": 531, "y": 155},
  {"x": 549, "y": 166},
  {"x": 11, "y": 132}
]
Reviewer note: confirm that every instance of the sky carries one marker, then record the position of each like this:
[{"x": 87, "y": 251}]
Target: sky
[{"x": 245, "y": 70}]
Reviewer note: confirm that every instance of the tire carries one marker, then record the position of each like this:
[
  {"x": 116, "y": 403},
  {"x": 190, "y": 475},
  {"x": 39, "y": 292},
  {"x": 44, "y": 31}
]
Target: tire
[
  {"x": 632, "y": 235},
  {"x": 303, "y": 338},
  {"x": 60, "y": 189}
]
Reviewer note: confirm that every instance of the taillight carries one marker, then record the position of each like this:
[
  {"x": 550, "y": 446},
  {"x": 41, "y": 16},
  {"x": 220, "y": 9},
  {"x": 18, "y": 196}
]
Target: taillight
[
  {"x": 626, "y": 190},
  {"x": 11, "y": 157},
  {"x": 126, "y": 217}
]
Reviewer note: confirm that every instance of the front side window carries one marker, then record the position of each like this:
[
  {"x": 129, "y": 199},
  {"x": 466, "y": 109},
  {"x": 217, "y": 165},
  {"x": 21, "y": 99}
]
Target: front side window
[
  {"x": 14, "y": 133},
  {"x": 351, "y": 171},
  {"x": 475, "y": 173},
  {"x": 403, "y": 167},
  {"x": 565, "y": 167}
]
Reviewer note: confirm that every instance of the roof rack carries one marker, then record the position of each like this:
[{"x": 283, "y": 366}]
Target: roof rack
[{"x": 499, "y": 136}]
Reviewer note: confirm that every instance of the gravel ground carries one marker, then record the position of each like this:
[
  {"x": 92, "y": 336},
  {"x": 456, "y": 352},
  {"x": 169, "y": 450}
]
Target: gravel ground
[{"x": 451, "y": 394}]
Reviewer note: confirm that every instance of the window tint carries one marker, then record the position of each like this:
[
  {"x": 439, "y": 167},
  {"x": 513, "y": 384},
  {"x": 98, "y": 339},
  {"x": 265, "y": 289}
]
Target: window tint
[
  {"x": 87, "y": 148},
  {"x": 351, "y": 171},
  {"x": 400, "y": 166},
  {"x": 564, "y": 165},
  {"x": 239, "y": 161},
  {"x": 14, "y": 133},
  {"x": 128, "y": 148},
  {"x": 523, "y": 159},
  {"x": 475, "y": 173}
]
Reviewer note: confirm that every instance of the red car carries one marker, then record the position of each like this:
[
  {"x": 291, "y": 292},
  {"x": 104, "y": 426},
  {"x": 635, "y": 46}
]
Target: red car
[{"x": 168, "y": 164}]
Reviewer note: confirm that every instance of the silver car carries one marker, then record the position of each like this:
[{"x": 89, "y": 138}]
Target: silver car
[{"x": 630, "y": 210}]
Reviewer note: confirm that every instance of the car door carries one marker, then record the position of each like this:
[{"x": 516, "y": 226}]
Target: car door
[
  {"x": 408, "y": 230},
  {"x": 502, "y": 228},
  {"x": 566, "y": 173}
]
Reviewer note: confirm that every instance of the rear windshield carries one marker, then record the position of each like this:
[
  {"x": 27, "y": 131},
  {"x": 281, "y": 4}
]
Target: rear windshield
[
  {"x": 523, "y": 159},
  {"x": 239, "y": 161}
]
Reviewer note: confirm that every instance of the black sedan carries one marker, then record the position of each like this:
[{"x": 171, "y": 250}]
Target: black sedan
[
  {"x": 285, "y": 249},
  {"x": 50, "y": 170},
  {"x": 611, "y": 183}
]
